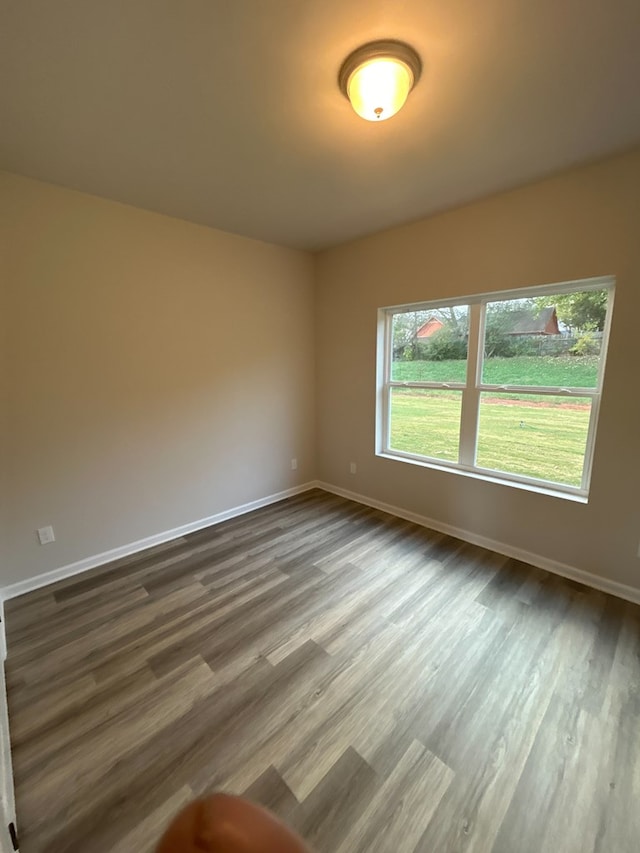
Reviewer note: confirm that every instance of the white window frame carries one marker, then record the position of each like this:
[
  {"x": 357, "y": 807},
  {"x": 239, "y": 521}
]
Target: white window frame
[{"x": 473, "y": 387}]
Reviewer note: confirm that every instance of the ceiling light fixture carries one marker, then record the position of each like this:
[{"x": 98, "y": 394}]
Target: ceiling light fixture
[{"x": 378, "y": 77}]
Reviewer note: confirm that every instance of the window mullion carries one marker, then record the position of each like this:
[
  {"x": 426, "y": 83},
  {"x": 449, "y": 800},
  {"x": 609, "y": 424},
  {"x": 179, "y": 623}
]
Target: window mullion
[
  {"x": 471, "y": 394},
  {"x": 590, "y": 445},
  {"x": 386, "y": 381}
]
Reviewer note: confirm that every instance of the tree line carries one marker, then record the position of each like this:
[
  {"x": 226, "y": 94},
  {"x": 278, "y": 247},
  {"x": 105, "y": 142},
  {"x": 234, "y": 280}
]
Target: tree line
[{"x": 581, "y": 316}]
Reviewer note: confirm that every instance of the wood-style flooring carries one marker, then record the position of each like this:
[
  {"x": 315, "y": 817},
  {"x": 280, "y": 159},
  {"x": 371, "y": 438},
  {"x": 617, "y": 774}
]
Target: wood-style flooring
[{"x": 380, "y": 686}]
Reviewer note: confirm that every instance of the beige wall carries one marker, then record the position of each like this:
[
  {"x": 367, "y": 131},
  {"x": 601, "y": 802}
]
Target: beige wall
[
  {"x": 581, "y": 224},
  {"x": 160, "y": 372},
  {"x": 155, "y": 372}
]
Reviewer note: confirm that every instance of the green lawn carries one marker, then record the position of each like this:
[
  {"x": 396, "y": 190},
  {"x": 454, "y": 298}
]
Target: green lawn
[
  {"x": 528, "y": 436},
  {"x": 563, "y": 371}
]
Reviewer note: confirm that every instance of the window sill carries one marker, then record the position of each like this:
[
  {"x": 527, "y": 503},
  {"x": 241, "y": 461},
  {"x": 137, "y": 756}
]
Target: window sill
[{"x": 549, "y": 491}]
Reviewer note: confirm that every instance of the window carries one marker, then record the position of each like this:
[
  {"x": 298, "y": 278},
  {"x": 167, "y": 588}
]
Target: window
[{"x": 504, "y": 385}]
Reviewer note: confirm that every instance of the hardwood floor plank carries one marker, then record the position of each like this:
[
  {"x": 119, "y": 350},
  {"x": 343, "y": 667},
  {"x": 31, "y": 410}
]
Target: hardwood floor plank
[
  {"x": 38, "y": 736},
  {"x": 144, "y": 838},
  {"x": 398, "y": 814},
  {"x": 336, "y": 804},
  {"x": 95, "y": 753},
  {"x": 269, "y": 790}
]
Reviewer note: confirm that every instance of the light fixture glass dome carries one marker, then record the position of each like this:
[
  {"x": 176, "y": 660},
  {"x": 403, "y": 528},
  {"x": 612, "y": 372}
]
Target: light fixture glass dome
[
  {"x": 379, "y": 88},
  {"x": 378, "y": 77}
]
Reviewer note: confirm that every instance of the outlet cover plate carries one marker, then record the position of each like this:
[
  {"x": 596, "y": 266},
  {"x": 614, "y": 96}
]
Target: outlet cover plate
[{"x": 46, "y": 535}]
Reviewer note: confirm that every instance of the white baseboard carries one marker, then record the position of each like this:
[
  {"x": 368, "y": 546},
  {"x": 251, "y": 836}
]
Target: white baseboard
[
  {"x": 628, "y": 593},
  {"x": 31, "y": 584},
  {"x": 620, "y": 590}
]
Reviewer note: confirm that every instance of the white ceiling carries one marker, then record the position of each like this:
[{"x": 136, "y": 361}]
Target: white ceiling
[{"x": 228, "y": 113}]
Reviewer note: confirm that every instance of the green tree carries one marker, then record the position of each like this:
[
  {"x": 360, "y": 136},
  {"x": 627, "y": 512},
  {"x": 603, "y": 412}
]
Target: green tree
[
  {"x": 500, "y": 320},
  {"x": 449, "y": 342},
  {"x": 582, "y": 311},
  {"x": 406, "y": 345},
  {"x": 405, "y": 329},
  {"x": 446, "y": 343}
]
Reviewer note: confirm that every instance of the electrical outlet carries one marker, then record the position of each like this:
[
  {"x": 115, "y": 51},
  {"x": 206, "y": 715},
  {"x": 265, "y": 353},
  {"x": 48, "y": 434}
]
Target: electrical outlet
[
  {"x": 352, "y": 467},
  {"x": 294, "y": 464},
  {"x": 46, "y": 535}
]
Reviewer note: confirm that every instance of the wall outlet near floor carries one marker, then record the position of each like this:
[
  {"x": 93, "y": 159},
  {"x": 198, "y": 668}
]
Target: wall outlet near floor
[
  {"x": 352, "y": 467},
  {"x": 294, "y": 464},
  {"x": 46, "y": 535}
]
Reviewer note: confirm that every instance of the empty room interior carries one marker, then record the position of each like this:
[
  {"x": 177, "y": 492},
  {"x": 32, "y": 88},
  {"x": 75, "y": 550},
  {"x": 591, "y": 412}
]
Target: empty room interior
[{"x": 319, "y": 426}]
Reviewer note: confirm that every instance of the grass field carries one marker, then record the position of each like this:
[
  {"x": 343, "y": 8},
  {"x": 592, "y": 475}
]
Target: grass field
[
  {"x": 563, "y": 371},
  {"x": 532, "y": 437}
]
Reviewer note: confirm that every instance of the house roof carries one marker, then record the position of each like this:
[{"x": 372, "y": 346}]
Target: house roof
[
  {"x": 229, "y": 113},
  {"x": 429, "y": 328},
  {"x": 530, "y": 322}
]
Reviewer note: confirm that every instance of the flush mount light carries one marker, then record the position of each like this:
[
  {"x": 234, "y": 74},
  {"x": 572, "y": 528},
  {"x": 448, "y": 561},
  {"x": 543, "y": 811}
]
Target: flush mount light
[{"x": 378, "y": 77}]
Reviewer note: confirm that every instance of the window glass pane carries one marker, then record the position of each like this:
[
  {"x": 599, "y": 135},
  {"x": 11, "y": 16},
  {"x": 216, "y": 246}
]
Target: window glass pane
[
  {"x": 537, "y": 436},
  {"x": 430, "y": 346},
  {"x": 545, "y": 340},
  {"x": 426, "y": 422}
]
